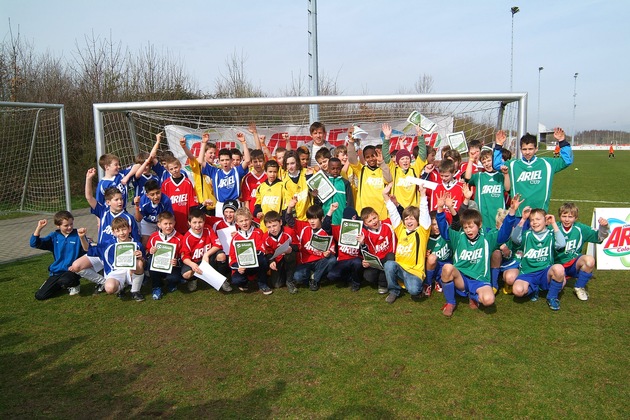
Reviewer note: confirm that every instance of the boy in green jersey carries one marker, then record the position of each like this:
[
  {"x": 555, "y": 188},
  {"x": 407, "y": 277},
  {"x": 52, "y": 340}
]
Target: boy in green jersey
[
  {"x": 531, "y": 176},
  {"x": 576, "y": 234}
]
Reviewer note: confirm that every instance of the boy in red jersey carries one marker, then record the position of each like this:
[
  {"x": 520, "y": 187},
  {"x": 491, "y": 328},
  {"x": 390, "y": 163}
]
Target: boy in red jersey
[
  {"x": 166, "y": 233},
  {"x": 283, "y": 266},
  {"x": 448, "y": 185},
  {"x": 181, "y": 192},
  {"x": 252, "y": 180},
  {"x": 348, "y": 258},
  {"x": 379, "y": 239},
  {"x": 246, "y": 231}
]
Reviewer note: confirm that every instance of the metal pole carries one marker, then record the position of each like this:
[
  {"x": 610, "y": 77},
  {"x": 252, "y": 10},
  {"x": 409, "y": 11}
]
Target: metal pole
[
  {"x": 313, "y": 67},
  {"x": 574, "y": 106},
  {"x": 64, "y": 158},
  {"x": 30, "y": 160},
  {"x": 540, "y": 69},
  {"x": 514, "y": 11}
]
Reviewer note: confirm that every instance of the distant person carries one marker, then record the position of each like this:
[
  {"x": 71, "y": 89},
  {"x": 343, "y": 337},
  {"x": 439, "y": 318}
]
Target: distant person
[{"x": 611, "y": 151}]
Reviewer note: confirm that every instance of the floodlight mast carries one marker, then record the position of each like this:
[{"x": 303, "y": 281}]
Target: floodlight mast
[
  {"x": 514, "y": 11},
  {"x": 313, "y": 67}
]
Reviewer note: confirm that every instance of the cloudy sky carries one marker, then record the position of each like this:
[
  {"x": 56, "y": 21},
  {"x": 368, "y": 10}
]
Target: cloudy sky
[{"x": 375, "y": 47}]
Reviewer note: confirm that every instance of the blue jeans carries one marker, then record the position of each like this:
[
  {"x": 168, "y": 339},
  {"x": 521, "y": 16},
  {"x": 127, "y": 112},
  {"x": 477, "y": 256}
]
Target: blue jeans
[
  {"x": 393, "y": 272},
  {"x": 260, "y": 272},
  {"x": 319, "y": 269},
  {"x": 347, "y": 268}
]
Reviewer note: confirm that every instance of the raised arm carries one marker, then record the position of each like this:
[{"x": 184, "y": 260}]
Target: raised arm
[
  {"x": 394, "y": 217},
  {"x": 387, "y": 136},
  {"x": 189, "y": 154},
  {"x": 566, "y": 153},
  {"x": 497, "y": 158},
  {"x": 89, "y": 187},
  {"x": 507, "y": 184},
  {"x": 246, "y": 156},
  {"x": 353, "y": 158}
]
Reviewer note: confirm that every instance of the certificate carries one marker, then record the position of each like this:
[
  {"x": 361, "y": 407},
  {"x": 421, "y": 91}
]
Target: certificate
[
  {"x": 281, "y": 249},
  {"x": 429, "y": 185},
  {"x": 348, "y": 232},
  {"x": 458, "y": 142},
  {"x": 321, "y": 243},
  {"x": 161, "y": 260},
  {"x": 246, "y": 253},
  {"x": 125, "y": 255},
  {"x": 322, "y": 184},
  {"x": 418, "y": 119},
  {"x": 373, "y": 260},
  {"x": 210, "y": 275}
]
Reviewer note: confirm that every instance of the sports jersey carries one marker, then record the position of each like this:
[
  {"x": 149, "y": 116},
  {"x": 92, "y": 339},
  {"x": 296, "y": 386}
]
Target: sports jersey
[
  {"x": 575, "y": 238},
  {"x": 203, "y": 185},
  {"x": 406, "y": 193},
  {"x": 105, "y": 183},
  {"x": 533, "y": 179},
  {"x": 411, "y": 248},
  {"x": 272, "y": 243},
  {"x": 105, "y": 234},
  {"x": 343, "y": 197},
  {"x": 107, "y": 253},
  {"x": 227, "y": 185},
  {"x": 194, "y": 246},
  {"x": 370, "y": 190},
  {"x": 183, "y": 197},
  {"x": 440, "y": 248},
  {"x": 139, "y": 183},
  {"x": 150, "y": 211},
  {"x": 472, "y": 256},
  {"x": 65, "y": 249},
  {"x": 489, "y": 195},
  {"x": 253, "y": 234},
  {"x": 249, "y": 187},
  {"x": 344, "y": 252},
  {"x": 297, "y": 187},
  {"x": 303, "y": 234},
  {"x": 381, "y": 241},
  {"x": 174, "y": 238},
  {"x": 538, "y": 249},
  {"x": 269, "y": 197},
  {"x": 224, "y": 231}
]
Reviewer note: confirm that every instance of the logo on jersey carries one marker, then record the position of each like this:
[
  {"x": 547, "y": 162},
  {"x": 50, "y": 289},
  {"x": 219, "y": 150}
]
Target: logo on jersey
[
  {"x": 199, "y": 252},
  {"x": 533, "y": 177},
  {"x": 375, "y": 182},
  {"x": 270, "y": 201},
  {"x": 181, "y": 199},
  {"x": 228, "y": 182},
  {"x": 382, "y": 246},
  {"x": 472, "y": 256},
  {"x": 541, "y": 254},
  {"x": 494, "y": 190}
]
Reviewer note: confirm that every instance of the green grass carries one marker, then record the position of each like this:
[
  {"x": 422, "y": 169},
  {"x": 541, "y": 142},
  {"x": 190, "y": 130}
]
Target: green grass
[{"x": 331, "y": 354}]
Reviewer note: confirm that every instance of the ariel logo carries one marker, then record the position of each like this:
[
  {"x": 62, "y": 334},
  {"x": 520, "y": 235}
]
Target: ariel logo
[{"x": 618, "y": 243}]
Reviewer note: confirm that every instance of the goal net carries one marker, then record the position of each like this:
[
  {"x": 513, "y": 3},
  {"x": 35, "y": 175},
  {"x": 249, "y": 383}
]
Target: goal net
[
  {"x": 125, "y": 129},
  {"x": 33, "y": 158}
]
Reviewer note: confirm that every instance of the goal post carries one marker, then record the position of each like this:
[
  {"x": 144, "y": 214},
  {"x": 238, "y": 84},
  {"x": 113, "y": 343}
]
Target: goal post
[
  {"x": 124, "y": 129},
  {"x": 34, "y": 166}
]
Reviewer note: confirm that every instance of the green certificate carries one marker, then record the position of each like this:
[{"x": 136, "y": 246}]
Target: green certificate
[
  {"x": 322, "y": 184},
  {"x": 246, "y": 253},
  {"x": 373, "y": 260},
  {"x": 161, "y": 260},
  {"x": 348, "y": 232},
  {"x": 125, "y": 255},
  {"x": 321, "y": 243}
]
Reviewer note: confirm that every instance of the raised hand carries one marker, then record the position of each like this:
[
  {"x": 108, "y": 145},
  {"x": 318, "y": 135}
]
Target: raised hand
[
  {"x": 240, "y": 137},
  {"x": 558, "y": 134},
  {"x": 550, "y": 219},
  {"x": 467, "y": 191},
  {"x": 82, "y": 232},
  {"x": 504, "y": 169},
  {"x": 500, "y": 137},
  {"x": 90, "y": 173},
  {"x": 602, "y": 222},
  {"x": 41, "y": 223},
  {"x": 517, "y": 200},
  {"x": 252, "y": 127},
  {"x": 526, "y": 212},
  {"x": 441, "y": 199},
  {"x": 448, "y": 201},
  {"x": 387, "y": 130},
  {"x": 387, "y": 189}
]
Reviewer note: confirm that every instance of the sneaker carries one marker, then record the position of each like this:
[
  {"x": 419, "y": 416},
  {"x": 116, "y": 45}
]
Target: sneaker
[
  {"x": 426, "y": 290},
  {"x": 137, "y": 296},
  {"x": 73, "y": 291},
  {"x": 382, "y": 290},
  {"x": 448, "y": 309},
  {"x": 266, "y": 290},
  {"x": 192, "y": 285},
  {"x": 438, "y": 287},
  {"x": 416, "y": 298},
  {"x": 172, "y": 288},
  {"x": 494, "y": 290},
  {"x": 554, "y": 304},
  {"x": 226, "y": 286},
  {"x": 473, "y": 304},
  {"x": 100, "y": 288},
  {"x": 243, "y": 288},
  {"x": 313, "y": 286},
  {"x": 355, "y": 287},
  {"x": 291, "y": 287},
  {"x": 121, "y": 294},
  {"x": 580, "y": 292},
  {"x": 534, "y": 296},
  {"x": 507, "y": 289},
  {"x": 391, "y": 298},
  {"x": 157, "y": 293}
]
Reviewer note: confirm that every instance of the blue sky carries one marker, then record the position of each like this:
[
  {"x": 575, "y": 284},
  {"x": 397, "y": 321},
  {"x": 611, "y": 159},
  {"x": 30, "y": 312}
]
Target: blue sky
[{"x": 376, "y": 47}]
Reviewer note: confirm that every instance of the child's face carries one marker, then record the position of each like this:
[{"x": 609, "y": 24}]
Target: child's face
[
  {"x": 113, "y": 168},
  {"x": 315, "y": 223},
  {"x": 528, "y": 151},
  {"x": 236, "y": 160},
  {"x": 272, "y": 174},
  {"x": 115, "y": 203},
  {"x": 154, "y": 196},
  {"x": 372, "y": 221},
  {"x": 66, "y": 226},
  {"x": 404, "y": 162},
  {"x": 212, "y": 153},
  {"x": 435, "y": 230},
  {"x": 273, "y": 227},
  {"x": 371, "y": 158},
  {"x": 323, "y": 164},
  {"x": 568, "y": 219},
  {"x": 280, "y": 158},
  {"x": 473, "y": 154},
  {"x": 226, "y": 162},
  {"x": 319, "y": 136},
  {"x": 471, "y": 230},
  {"x": 305, "y": 159},
  {"x": 175, "y": 169},
  {"x": 122, "y": 233},
  {"x": 228, "y": 215},
  {"x": 258, "y": 165},
  {"x": 431, "y": 158},
  {"x": 447, "y": 176},
  {"x": 243, "y": 222},
  {"x": 291, "y": 165},
  {"x": 196, "y": 224},
  {"x": 167, "y": 226},
  {"x": 537, "y": 222},
  {"x": 334, "y": 169},
  {"x": 487, "y": 163},
  {"x": 411, "y": 222},
  {"x": 343, "y": 157},
  {"x": 208, "y": 156}
]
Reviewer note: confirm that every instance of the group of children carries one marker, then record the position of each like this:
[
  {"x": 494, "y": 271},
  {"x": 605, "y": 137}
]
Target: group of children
[{"x": 486, "y": 217}]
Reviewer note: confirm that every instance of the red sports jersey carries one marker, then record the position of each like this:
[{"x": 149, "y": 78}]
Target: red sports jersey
[
  {"x": 254, "y": 234},
  {"x": 382, "y": 241},
  {"x": 303, "y": 234},
  {"x": 344, "y": 252},
  {"x": 176, "y": 238},
  {"x": 194, "y": 247},
  {"x": 248, "y": 189},
  {"x": 183, "y": 197},
  {"x": 271, "y": 243},
  {"x": 223, "y": 230},
  {"x": 457, "y": 194}
]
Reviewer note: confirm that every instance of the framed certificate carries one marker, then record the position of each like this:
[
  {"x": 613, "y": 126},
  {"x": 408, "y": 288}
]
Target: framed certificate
[
  {"x": 161, "y": 259},
  {"x": 125, "y": 255},
  {"x": 246, "y": 253},
  {"x": 348, "y": 232},
  {"x": 321, "y": 243},
  {"x": 322, "y": 184}
]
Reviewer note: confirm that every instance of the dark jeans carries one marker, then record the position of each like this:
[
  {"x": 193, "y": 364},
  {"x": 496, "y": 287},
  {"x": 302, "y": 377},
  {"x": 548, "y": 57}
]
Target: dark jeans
[
  {"x": 57, "y": 282},
  {"x": 347, "y": 269},
  {"x": 285, "y": 270},
  {"x": 260, "y": 272},
  {"x": 374, "y": 275},
  {"x": 319, "y": 269}
]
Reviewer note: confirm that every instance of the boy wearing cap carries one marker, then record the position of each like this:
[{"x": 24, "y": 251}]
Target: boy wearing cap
[
  {"x": 405, "y": 191},
  {"x": 225, "y": 226}
]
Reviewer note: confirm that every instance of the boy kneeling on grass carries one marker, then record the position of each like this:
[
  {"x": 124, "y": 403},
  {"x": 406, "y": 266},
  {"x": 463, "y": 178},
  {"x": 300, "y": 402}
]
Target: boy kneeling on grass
[{"x": 166, "y": 233}]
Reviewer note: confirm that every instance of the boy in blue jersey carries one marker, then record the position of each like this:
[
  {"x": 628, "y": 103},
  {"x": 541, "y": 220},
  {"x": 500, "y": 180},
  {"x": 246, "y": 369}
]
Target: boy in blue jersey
[
  {"x": 148, "y": 207},
  {"x": 67, "y": 244},
  {"x": 538, "y": 271},
  {"x": 113, "y": 177},
  {"x": 226, "y": 180}
]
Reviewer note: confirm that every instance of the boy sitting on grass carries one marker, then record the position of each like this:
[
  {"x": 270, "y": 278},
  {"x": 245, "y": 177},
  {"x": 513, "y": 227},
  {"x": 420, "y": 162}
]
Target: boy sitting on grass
[
  {"x": 379, "y": 240},
  {"x": 166, "y": 233},
  {"x": 67, "y": 244},
  {"x": 283, "y": 266}
]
